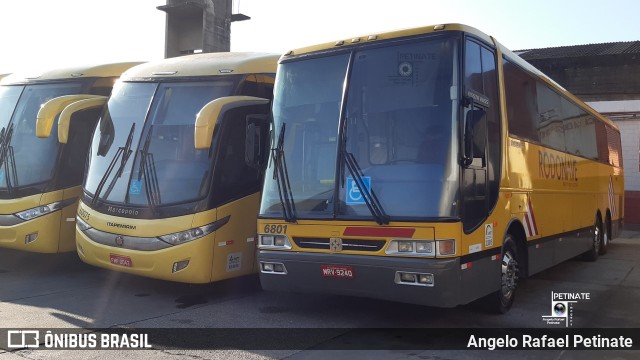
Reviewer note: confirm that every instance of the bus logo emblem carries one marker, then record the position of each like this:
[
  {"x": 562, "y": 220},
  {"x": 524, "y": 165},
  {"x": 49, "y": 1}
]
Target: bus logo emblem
[
  {"x": 335, "y": 244},
  {"x": 119, "y": 240}
]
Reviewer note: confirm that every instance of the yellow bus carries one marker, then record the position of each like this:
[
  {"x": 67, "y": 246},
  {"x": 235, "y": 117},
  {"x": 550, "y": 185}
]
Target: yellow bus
[
  {"x": 430, "y": 166},
  {"x": 176, "y": 166},
  {"x": 41, "y": 178}
]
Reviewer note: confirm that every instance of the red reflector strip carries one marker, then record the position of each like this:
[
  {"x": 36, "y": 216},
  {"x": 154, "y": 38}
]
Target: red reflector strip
[
  {"x": 495, "y": 257},
  {"x": 379, "y": 232},
  {"x": 466, "y": 266}
]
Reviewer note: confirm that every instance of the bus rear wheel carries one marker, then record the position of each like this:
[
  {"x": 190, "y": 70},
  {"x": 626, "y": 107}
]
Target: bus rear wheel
[
  {"x": 592, "y": 253},
  {"x": 604, "y": 244}
]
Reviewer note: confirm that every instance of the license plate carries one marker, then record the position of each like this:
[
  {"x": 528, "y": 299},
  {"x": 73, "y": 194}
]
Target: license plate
[
  {"x": 339, "y": 271},
  {"x": 120, "y": 260}
]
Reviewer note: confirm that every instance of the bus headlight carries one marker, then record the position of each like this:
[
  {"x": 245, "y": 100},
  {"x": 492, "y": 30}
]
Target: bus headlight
[
  {"x": 187, "y": 235},
  {"x": 423, "y": 248},
  {"x": 273, "y": 242},
  {"x": 405, "y": 246},
  {"x": 39, "y": 211}
]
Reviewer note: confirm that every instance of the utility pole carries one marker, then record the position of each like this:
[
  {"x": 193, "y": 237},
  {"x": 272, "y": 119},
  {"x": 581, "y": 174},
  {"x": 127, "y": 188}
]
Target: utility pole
[{"x": 195, "y": 26}]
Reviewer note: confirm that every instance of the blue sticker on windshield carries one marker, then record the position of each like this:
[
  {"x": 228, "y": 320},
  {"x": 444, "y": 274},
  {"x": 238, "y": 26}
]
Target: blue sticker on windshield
[
  {"x": 1, "y": 175},
  {"x": 135, "y": 187},
  {"x": 354, "y": 196}
]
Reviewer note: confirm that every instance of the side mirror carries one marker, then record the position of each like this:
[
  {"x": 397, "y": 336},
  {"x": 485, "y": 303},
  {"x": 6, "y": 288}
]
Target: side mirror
[
  {"x": 49, "y": 110},
  {"x": 209, "y": 115},
  {"x": 254, "y": 153},
  {"x": 472, "y": 118},
  {"x": 64, "y": 121}
]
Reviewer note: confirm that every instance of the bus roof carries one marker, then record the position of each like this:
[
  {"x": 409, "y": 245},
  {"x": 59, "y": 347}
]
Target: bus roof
[
  {"x": 77, "y": 72},
  {"x": 205, "y": 64},
  {"x": 374, "y": 37},
  {"x": 381, "y": 36}
]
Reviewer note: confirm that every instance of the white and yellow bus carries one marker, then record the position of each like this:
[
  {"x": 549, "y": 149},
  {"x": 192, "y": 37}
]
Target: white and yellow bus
[
  {"x": 176, "y": 167},
  {"x": 41, "y": 178},
  {"x": 430, "y": 166}
]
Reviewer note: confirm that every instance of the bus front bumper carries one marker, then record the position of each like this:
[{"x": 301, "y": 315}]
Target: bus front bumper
[
  {"x": 41, "y": 235},
  {"x": 161, "y": 264},
  {"x": 370, "y": 276}
]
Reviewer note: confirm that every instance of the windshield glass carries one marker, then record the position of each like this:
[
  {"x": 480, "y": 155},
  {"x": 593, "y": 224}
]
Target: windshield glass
[
  {"x": 165, "y": 168},
  {"x": 9, "y": 96},
  {"x": 399, "y": 126},
  {"x": 28, "y": 160}
]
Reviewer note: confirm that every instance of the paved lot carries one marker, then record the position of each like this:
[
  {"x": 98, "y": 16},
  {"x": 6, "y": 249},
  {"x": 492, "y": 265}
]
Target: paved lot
[{"x": 45, "y": 291}]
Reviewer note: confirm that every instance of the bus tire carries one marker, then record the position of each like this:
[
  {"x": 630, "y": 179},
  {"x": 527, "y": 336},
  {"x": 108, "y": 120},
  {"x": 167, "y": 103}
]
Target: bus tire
[
  {"x": 596, "y": 240},
  {"x": 604, "y": 241},
  {"x": 501, "y": 301}
]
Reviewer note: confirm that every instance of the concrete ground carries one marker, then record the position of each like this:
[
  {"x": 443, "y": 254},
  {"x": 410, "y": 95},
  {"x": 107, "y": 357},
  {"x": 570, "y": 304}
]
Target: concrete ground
[{"x": 59, "y": 291}]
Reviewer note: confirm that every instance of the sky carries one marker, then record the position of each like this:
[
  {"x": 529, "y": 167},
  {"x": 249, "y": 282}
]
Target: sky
[{"x": 46, "y": 34}]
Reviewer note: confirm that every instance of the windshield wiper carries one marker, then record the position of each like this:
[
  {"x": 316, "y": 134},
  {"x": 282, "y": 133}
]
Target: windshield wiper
[
  {"x": 7, "y": 157},
  {"x": 125, "y": 152},
  {"x": 281, "y": 176},
  {"x": 148, "y": 168},
  {"x": 370, "y": 198}
]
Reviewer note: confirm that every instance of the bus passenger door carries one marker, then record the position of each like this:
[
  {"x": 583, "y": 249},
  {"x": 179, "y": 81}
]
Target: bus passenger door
[
  {"x": 481, "y": 135},
  {"x": 69, "y": 174},
  {"x": 237, "y": 179}
]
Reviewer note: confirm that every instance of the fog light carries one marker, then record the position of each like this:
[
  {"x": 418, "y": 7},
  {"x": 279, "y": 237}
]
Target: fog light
[
  {"x": 31, "y": 237},
  {"x": 414, "y": 278},
  {"x": 408, "y": 277},
  {"x": 177, "y": 266},
  {"x": 405, "y": 246},
  {"x": 426, "y": 279},
  {"x": 273, "y": 268}
]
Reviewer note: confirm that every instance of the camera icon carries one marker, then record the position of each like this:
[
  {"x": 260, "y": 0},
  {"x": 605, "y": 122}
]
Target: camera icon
[{"x": 559, "y": 309}]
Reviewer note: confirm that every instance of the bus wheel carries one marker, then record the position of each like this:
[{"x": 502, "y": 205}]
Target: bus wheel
[
  {"x": 500, "y": 301},
  {"x": 604, "y": 244},
  {"x": 592, "y": 254}
]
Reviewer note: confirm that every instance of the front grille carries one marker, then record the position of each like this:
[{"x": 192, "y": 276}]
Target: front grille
[{"x": 347, "y": 244}]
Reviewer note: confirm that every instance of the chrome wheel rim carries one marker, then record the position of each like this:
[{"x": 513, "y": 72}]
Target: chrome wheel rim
[
  {"x": 509, "y": 274},
  {"x": 596, "y": 238}
]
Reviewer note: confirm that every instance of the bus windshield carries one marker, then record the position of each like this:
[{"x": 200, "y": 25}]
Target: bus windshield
[
  {"x": 25, "y": 159},
  {"x": 147, "y": 138},
  {"x": 396, "y": 123}
]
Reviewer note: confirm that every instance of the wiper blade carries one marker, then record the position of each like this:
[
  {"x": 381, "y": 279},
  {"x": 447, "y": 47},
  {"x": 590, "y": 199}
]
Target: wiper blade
[
  {"x": 7, "y": 158},
  {"x": 370, "y": 198},
  {"x": 281, "y": 175},
  {"x": 125, "y": 152},
  {"x": 148, "y": 168}
]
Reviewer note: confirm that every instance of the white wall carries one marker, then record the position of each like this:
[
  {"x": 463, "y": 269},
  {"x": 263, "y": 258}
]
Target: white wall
[{"x": 629, "y": 133}]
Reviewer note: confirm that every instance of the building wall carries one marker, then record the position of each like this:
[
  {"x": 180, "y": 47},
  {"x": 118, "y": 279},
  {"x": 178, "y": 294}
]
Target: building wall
[
  {"x": 630, "y": 134},
  {"x": 626, "y": 114}
]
